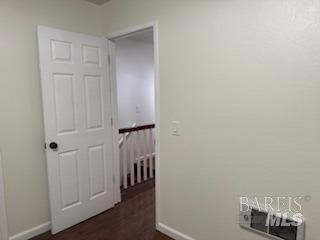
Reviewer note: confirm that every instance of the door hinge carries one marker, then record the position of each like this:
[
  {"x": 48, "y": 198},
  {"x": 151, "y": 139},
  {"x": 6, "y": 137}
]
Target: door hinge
[
  {"x": 45, "y": 146},
  {"x": 109, "y": 59},
  {"x": 114, "y": 179},
  {"x": 111, "y": 120}
]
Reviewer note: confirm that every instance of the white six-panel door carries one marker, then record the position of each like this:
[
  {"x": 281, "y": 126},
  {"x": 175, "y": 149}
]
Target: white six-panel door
[{"x": 77, "y": 118}]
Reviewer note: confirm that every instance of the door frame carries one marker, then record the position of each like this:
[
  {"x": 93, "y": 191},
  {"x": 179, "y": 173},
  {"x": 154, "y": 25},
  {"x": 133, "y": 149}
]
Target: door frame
[
  {"x": 3, "y": 215},
  {"x": 117, "y": 35}
]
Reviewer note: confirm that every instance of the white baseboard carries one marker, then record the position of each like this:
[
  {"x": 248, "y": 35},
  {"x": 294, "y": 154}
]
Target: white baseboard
[
  {"x": 30, "y": 233},
  {"x": 172, "y": 232}
]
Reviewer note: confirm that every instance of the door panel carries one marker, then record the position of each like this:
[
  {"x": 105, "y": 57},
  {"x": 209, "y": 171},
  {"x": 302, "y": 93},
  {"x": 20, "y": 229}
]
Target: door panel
[
  {"x": 61, "y": 51},
  {"x": 63, "y": 87},
  {"x": 77, "y": 112},
  {"x": 94, "y": 102},
  {"x": 97, "y": 172},
  {"x": 69, "y": 179},
  {"x": 91, "y": 55}
]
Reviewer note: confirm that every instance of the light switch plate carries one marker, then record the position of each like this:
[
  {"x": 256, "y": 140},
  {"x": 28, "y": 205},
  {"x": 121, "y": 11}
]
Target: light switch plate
[{"x": 176, "y": 129}]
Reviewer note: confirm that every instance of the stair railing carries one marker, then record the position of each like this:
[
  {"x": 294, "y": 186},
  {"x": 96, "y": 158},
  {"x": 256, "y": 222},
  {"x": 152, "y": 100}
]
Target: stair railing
[{"x": 137, "y": 152}]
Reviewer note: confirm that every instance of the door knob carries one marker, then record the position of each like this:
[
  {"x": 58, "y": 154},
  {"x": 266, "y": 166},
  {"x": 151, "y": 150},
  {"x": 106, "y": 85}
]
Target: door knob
[{"x": 53, "y": 146}]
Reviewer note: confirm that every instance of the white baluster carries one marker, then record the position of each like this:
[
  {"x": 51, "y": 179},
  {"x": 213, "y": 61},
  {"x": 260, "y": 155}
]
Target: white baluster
[
  {"x": 138, "y": 151},
  {"x": 144, "y": 153},
  {"x": 150, "y": 147},
  {"x": 132, "y": 159},
  {"x": 125, "y": 161}
]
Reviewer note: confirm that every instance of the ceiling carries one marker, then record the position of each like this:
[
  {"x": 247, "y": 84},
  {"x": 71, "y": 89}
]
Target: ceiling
[{"x": 98, "y": 2}]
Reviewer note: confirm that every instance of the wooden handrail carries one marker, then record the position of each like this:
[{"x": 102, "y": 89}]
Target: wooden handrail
[
  {"x": 126, "y": 135},
  {"x": 138, "y": 128}
]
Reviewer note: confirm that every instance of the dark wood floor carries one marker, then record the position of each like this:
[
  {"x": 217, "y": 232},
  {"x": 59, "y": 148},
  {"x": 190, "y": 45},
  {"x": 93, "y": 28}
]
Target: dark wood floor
[{"x": 132, "y": 219}]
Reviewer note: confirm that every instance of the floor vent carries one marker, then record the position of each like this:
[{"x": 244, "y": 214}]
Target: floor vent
[{"x": 275, "y": 225}]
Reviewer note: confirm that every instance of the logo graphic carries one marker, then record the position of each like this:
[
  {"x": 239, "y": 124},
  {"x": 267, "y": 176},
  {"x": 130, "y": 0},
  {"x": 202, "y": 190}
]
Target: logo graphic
[{"x": 273, "y": 211}]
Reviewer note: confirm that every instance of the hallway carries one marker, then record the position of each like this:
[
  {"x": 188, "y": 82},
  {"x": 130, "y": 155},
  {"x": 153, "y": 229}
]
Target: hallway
[{"x": 132, "y": 219}]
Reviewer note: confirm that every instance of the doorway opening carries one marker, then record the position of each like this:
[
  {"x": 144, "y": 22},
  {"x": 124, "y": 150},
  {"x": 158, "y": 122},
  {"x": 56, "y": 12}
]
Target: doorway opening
[{"x": 134, "y": 78}]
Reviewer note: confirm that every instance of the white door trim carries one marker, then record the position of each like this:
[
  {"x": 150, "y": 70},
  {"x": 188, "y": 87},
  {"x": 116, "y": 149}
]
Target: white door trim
[
  {"x": 115, "y": 128},
  {"x": 124, "y": 33},
  {"x": 3, "y": 215}
]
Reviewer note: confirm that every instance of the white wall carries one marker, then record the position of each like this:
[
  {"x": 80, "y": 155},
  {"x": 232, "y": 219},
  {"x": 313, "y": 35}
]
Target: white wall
[
  {"x": 21, "y": 128},
  {"x": 135, "y": 82},
  {"x": 242, "y": 76}
]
